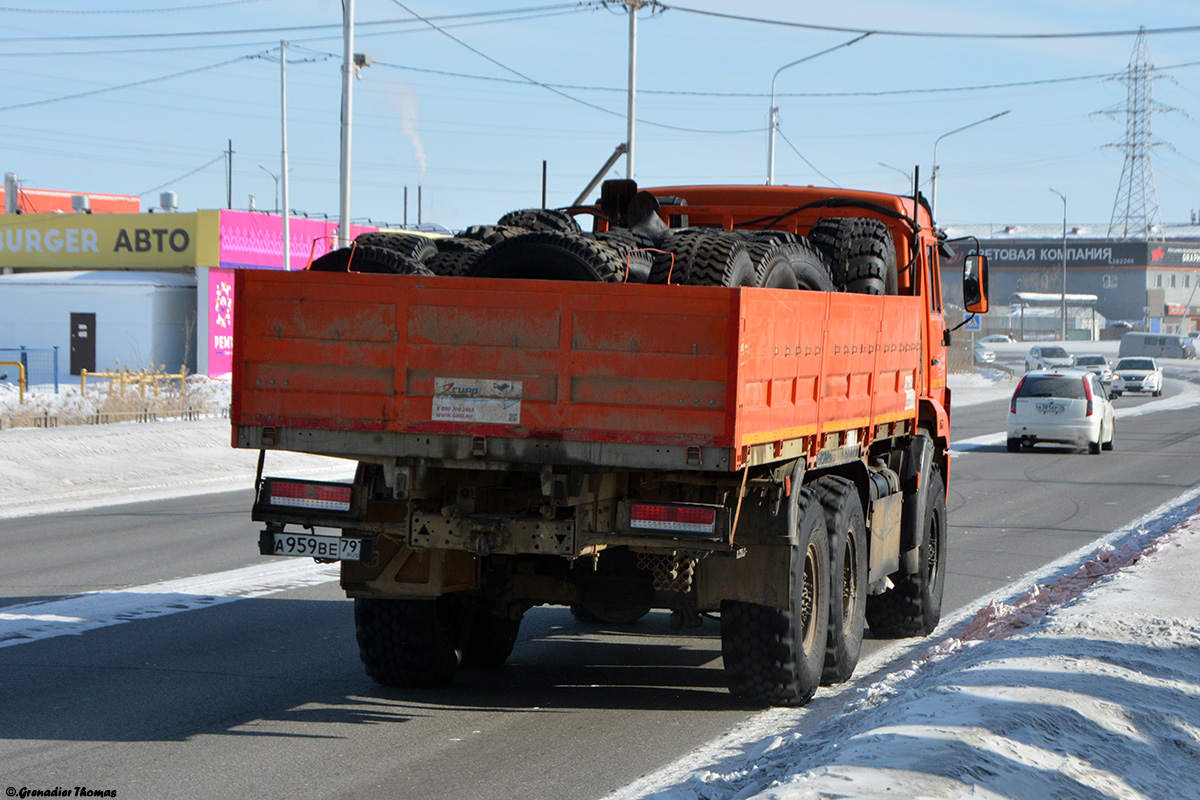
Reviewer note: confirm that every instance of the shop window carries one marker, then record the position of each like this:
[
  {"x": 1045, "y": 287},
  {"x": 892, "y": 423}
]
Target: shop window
[{"x": 1108, "y": 281}]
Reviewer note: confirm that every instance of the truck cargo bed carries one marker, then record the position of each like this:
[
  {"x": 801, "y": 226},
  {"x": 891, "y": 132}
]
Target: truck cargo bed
[{"x": 684, "y": 377}]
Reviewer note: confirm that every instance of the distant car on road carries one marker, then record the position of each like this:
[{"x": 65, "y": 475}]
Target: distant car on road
[
  {"x": 1061, "y": 406},
  {"x": 983, "y": 354},
  {"x": 996, "y": 338},
  {"x": 1137, "y": 375},
  {"x": 1093, "y": 362},
  {"x": 1048, "y": 356}
]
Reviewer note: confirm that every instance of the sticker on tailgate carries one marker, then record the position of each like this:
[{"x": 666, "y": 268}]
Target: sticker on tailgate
[{"x": 470, "y": 400}]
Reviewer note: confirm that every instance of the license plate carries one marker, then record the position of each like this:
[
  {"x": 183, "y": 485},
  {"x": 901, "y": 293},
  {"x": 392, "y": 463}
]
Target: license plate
[
  {"x": 332, "y": 548},
  {"x": 1050, "y": 408}
]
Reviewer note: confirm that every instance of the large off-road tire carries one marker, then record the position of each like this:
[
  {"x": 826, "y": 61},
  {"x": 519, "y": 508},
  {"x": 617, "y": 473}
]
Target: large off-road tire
[
  {"x": 413, "y": 245},
  {"x": 364, "y": 258},
  {"x": 453, "y": 263},
  {"x": 773, "y": 265},
  {"x": 809, "y": 266},
  {"x": 635, "y": 250},
  {"x": 492, "y": 234},
  {"x": 540, "y": 219},
  {"x": 491, "y": 640},
  {"x": 775, "y": 657},
  {"x": 847, "y": 528},
  {"x": 458, "y": 244},
  {"x": 913, "y": 607},
  {"x": 860, "y": 251},
  {"x": 547, "y": 255},
  {"x": 412, "y": 642},
  {"x": 704, "y": 257}
]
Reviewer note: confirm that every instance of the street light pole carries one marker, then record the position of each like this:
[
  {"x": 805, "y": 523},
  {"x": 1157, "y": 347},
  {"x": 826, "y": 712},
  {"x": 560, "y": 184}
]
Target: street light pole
[
  {"x": 773, "y": 116},
  {"x": 1064, "y": 265},
  {"x": 275, "y": 178},
  {"x": 934, "y": 173}
]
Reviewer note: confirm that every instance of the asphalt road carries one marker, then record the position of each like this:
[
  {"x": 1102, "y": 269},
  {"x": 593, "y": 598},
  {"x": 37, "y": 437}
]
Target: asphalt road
[{"x": 265, "y": 698}]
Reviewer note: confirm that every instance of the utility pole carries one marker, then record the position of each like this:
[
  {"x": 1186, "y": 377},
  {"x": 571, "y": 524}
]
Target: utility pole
[
  {"x": 1064, "y": 265},
  {"x": 229, "y": 176},
  {"x": 283, "y": 156},
  {"x": 343, "y": 237},
  {"x": 631, "y": 104}
]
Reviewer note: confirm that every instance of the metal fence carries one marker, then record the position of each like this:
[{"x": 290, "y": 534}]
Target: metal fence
[{"x": 41, "y": 365}]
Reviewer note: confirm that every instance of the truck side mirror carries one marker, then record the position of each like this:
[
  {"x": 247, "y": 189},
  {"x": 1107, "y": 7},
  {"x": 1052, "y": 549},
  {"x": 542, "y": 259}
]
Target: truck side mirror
[{"x": 975, "y": 284}]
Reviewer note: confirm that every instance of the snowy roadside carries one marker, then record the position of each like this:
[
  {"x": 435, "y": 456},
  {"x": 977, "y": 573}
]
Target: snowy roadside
[{"x": 1083, "y": 680}]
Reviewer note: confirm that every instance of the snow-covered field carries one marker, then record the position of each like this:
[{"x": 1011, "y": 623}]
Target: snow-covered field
[{"x": 1082, "y": 681}]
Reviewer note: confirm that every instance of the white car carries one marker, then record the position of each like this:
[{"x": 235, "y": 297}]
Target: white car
[
  {"x": 1061, "y": 406},
  {"x": 1097, "y": 364},
  {"x": 1137, "y": 375},
  {"x": 1048, "y": 356},
  {"x": 997, "y": 338}
]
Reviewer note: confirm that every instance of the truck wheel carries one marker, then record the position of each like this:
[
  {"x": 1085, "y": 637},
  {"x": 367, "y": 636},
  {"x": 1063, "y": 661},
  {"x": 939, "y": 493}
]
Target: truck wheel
[
  {"x": 413, "y": 245},
  {"x": 491, "y": 641},
  {"x": 411, "y": 642},
  {"x": 555, "y": 256},
  {"x": 848, "y": 576},
  {"x": 540, "y": 219},
  {"x": 860, "y": 251},
  {"x": 704, "y": 257},
  {"x": 913, "y": 607},
  {"x": 775, "y": 657}
]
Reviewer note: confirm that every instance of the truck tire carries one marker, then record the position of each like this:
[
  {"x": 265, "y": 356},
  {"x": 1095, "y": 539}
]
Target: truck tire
[
  {"x": 860, "y": 251},
  {"x": 453, "y": 263},
  {"x": 775, "y": 657},
  {"x": 549, "y": 255},
  {"x": 413, "y": 245},
  {"x": 491, "y": 234},
  {"x": 412, "y": 643},
  {"x": 634, "y": 249},
  {"x": 812, "y": 273},
  {"x": 847, "y": 528},
  {"x": 491, "y": 640},
  {"x": 773, "y": 265},
  {"x": 540, "y": 219},
  {"x": 704, "y": 257},
  {"x": 913, "y": 607},
  {"x": 366, "y": 258}
]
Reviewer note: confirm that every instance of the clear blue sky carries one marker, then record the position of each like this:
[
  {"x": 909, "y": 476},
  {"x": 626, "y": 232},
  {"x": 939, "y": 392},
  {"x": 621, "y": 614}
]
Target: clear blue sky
[{"x": 473, "y": 133}]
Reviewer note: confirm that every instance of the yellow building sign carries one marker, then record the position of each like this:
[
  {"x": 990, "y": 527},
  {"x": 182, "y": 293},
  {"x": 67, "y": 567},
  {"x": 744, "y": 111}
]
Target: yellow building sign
[{"x": 109, "y": 241}]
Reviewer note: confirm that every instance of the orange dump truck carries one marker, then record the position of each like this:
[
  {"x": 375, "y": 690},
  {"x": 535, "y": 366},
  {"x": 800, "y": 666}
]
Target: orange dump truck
[{"x": 724, "y": 400}]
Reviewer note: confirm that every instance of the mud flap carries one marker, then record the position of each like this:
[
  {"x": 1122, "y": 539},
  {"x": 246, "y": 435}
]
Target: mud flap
[{"x": 917, "y": 463}]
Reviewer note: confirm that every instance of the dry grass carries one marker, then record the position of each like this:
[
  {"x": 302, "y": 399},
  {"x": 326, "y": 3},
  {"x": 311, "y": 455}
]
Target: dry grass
[{"x": 142, "y": 397}]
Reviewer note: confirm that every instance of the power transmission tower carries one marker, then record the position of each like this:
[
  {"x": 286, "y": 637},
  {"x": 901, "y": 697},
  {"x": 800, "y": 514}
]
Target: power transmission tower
[{"x": 1135, "y": 211}]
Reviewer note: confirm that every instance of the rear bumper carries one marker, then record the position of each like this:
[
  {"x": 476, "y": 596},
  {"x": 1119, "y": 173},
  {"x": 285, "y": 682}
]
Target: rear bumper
[{"x": 1056, "y": 434}]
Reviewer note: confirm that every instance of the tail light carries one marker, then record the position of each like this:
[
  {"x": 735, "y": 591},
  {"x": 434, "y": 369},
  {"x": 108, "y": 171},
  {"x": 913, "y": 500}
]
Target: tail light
[
  {"x": 1087, "y": 389},
  {"x": 681, "y": 519},
  {"x": 1012, "y": 408},
  {"x": 305, "y": 494}
]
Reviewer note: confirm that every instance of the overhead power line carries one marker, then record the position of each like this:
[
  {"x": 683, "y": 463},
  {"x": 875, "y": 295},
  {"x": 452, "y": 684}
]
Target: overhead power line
[
  {"x": 276, "y": 32},
  {"x": 184, "y": 175},
  {"x": 926, "y": 34},
  {"x": 130, "y": 85}
]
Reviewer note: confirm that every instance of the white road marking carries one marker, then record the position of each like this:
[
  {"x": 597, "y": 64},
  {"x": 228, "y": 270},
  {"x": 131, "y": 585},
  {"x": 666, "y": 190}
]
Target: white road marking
[{"x": 71, "y": 616}]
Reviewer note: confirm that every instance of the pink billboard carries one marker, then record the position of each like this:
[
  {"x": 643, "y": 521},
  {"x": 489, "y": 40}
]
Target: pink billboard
[{"x": 255, "y": 241}]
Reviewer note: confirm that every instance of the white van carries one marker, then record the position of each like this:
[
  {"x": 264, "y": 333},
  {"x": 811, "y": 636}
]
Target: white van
[{"x": 1157, "y": 345}]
